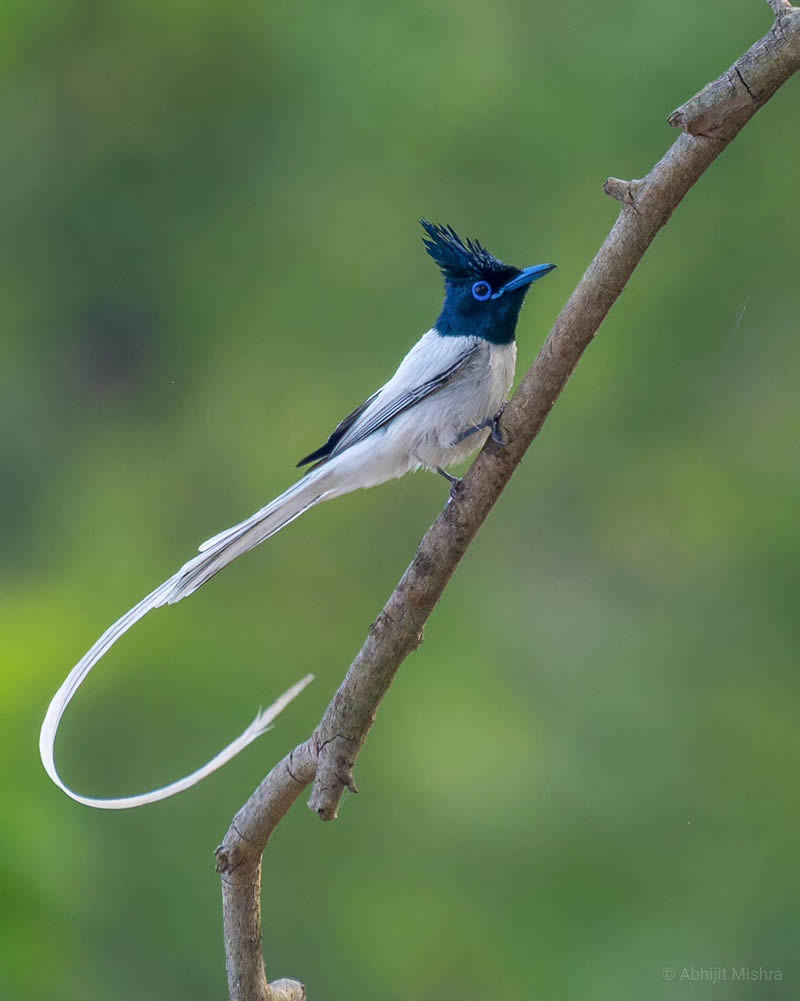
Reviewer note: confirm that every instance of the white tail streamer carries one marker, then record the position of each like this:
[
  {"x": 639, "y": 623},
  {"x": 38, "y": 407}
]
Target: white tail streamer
[
  {"x": 214, "y": 555},
  {"x": 444, "y": 385}
]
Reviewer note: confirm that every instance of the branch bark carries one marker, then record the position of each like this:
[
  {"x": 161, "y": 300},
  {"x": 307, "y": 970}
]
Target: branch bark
[{"x": 709, "y": 121}]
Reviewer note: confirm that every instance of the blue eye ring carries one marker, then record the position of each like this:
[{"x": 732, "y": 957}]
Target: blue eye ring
[{"x": 481, "y": 291}]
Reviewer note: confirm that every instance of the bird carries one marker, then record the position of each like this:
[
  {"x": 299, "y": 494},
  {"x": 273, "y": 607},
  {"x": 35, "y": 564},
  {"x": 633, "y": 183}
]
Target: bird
[{"x": 442, "y": 404}]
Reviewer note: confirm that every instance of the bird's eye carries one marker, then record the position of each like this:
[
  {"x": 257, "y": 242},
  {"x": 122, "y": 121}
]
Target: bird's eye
[{"x": 481, "y": 291}]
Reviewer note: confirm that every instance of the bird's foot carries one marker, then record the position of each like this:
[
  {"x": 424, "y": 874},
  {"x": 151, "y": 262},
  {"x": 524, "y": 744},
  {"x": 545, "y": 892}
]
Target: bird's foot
[
  {"x": 454, "y": 481},
  {"x": 490, "y": 422},
  {"x": 497, "y": 434}
]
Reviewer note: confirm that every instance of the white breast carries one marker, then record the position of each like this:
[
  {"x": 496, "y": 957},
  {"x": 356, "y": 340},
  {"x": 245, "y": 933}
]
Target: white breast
[
  {"x": 427, "y": 433},
  {"x": 474, "y": 395}
]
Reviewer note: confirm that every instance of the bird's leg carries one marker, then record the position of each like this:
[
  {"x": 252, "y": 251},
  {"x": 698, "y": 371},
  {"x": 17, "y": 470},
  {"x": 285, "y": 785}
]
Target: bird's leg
[
  {"x": 490, "y": 422},
  {"x": 454, "y": 481},
  {"x": 473, "y": 430}
]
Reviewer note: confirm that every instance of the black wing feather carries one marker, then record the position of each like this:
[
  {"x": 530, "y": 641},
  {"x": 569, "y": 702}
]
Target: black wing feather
[
  {"x": 382, "y": 417},
  {"x": 337, "y": 434},
  {"x": 398, "y": 405}
]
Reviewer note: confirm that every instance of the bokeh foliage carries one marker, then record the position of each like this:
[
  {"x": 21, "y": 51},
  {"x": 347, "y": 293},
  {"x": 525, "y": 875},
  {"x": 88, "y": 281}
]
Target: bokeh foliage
[{"x": 209, "y": 255}]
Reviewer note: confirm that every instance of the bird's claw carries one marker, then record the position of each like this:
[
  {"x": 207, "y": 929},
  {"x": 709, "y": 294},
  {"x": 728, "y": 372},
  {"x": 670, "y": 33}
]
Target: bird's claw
[
  {"x": 497, "y": 437},
  {"x": 490, "y": 422},
  {"x": 454, "y": 482},
  {"x": 497, "y": 434}
]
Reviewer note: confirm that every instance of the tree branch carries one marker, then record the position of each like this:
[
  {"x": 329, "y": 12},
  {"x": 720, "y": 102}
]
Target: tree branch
[
  {"x": 709, "y": 121},
  {"x": 239, "y": 865}
]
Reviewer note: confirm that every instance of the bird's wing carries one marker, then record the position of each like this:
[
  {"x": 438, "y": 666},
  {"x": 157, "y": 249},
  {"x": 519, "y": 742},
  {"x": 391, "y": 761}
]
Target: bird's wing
[
  {"x": 338, "y": 433},
  {"x": 424, "y": 370},
  {"x": 412, "y": 383}
]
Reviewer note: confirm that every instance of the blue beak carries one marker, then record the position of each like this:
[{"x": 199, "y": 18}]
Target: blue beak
[{"x": 525, "y": 278}]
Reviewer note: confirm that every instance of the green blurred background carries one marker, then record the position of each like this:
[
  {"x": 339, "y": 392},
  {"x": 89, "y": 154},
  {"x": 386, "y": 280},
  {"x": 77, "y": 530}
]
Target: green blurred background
[{"x": 588, "y": 772}]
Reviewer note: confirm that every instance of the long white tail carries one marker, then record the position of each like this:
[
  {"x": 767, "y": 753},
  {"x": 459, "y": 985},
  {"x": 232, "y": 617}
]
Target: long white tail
[{"x": 214, "y": 554}]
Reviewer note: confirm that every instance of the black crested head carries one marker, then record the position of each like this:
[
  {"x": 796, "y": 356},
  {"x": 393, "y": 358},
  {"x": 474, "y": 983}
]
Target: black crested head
[
  {"x": 463, "y": 260},
  {"x": 483, "y": 296}
]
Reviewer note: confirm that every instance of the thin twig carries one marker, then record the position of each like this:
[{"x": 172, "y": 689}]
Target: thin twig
[{"x": 709, "y": 121}]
